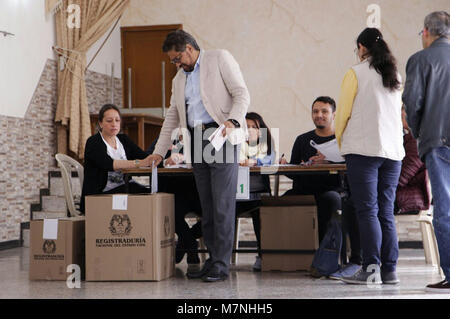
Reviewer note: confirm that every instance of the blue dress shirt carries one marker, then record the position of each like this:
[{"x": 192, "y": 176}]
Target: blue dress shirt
[{"x": 196, "y": 112}]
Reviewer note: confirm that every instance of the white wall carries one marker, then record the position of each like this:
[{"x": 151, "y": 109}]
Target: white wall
[
  {"x": 22, "y": 57},
  {"x": 110, "y": 53}
]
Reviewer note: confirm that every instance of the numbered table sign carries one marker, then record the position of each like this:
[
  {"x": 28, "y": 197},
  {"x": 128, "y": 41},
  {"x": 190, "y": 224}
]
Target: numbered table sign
[{"x": 243, "y": 185}]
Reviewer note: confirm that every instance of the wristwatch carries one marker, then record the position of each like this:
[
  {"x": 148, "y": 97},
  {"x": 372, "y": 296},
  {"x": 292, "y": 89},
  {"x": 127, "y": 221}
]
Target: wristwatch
[
  {"x": 235, "y": 123},
  {"x": 136, "y": 163}
]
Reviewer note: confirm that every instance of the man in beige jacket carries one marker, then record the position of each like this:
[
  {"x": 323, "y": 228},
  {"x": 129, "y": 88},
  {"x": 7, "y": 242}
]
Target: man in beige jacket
[{"x": 207, "y": 91}]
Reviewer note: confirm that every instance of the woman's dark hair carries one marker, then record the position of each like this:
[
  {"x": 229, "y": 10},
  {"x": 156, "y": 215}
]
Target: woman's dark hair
[
  {"x": 106, "y": 107},
  {"x": 177, "y": 41},
  {"x": 260, "y": 124},
  {"x": 381, "y": 58}
]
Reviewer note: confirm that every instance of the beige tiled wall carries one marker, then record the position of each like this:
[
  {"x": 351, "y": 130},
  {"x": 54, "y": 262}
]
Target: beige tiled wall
[{"x": 27, "y": 146}]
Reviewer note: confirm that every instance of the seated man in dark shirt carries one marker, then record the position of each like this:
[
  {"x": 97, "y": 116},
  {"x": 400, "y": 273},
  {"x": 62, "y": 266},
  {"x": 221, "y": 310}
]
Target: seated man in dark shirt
[{"x": 325, "y": 188}]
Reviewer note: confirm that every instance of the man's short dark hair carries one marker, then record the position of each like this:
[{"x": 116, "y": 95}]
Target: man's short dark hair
[
  {"x": 177, "y": 41},
  {"x": 328, "y": 100}
]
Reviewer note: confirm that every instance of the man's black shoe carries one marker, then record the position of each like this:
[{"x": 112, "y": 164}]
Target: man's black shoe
[
  {"x": 214, "y": 276},
  {"x": 197, "y": 274}
]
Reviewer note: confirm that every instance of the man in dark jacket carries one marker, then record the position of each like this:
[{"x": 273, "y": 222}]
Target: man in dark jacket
[{"x": 427, "y": 100}]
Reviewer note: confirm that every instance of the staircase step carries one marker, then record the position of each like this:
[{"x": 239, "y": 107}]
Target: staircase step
[
  {"x": 54, "y": 203},
  {"x": 47, "y": 214},
  {"x": 56, "y": 186},
  {"x": 26, "y": 237}
]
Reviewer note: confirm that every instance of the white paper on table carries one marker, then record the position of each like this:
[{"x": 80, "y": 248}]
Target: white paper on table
[
  {"x": 243, "y": 185},
  {"x": 279, "y": 165},
  {"x": 120, "y": 202},
  {"x": 176, "y": 166},
  {"x": 217, "y": 139},
  {"x": 50, "y": 230},
  {"x": 154, "y": 178},
  {"x": 329, "y": 149}
]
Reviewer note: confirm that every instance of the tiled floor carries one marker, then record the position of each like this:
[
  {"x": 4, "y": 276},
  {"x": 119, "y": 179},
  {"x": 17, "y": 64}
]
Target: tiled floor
[{"x": 243, "y": 283}]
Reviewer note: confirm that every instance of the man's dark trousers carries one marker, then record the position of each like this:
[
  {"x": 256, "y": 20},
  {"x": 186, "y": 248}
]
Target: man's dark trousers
[{"x": 216, "y": 180}]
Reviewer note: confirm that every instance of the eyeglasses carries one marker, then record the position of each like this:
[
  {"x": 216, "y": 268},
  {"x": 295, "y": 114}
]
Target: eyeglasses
[{"x": 177, "y": 59}]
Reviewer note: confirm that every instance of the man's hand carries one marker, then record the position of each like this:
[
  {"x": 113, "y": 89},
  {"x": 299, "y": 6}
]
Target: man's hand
[
  {"x": 283, "y": 160},
  {"x": 228, "y": 128},
  {"x": 174, "y": 159},
  {"x": 319, "y": 158},
  {"x": 147, "y": 162}
]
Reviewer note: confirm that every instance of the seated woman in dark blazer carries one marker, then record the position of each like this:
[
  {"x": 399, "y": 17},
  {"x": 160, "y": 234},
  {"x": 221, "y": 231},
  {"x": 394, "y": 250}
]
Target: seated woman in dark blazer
[{"x": 106, "y": 153}]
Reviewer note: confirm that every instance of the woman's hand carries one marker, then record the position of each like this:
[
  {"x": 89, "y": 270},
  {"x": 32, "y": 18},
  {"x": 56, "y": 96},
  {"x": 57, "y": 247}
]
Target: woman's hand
[{"x": 248, "y": 162}]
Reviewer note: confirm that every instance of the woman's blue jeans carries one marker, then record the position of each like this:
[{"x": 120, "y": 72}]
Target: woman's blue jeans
[{"x": 373, "y": 182}]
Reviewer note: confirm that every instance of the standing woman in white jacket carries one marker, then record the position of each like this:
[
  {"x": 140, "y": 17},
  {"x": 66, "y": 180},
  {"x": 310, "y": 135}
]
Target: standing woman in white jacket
[{"x": 369, "y": 133}]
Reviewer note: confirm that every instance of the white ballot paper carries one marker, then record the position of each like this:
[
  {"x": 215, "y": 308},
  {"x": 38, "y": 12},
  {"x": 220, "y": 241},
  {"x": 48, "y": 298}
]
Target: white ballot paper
[
  {"x": 154, "y": 178},
  {"x": 329, "y": 149},
  {"x": 216, "y": 138},
  {"x": 236, "y": 136}
]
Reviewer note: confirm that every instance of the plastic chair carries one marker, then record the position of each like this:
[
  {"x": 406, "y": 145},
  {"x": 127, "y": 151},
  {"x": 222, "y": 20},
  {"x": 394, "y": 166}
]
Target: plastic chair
[
  {"x": 239, "y": 215},
  {"x": 66, "y": 163},
  {"x": 430, "y": 246}
]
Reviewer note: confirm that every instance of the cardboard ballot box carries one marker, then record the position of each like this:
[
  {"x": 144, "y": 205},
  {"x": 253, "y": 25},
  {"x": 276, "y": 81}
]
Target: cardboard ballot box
[
  {"x": 289, "y": 223},
  {"x": 54, "y": 245},
  {"x": 130, "y": 237}
]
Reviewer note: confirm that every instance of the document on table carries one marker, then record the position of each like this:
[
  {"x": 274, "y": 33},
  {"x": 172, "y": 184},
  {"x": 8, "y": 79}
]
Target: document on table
[
  {"x": 176, "y": 166},
  {"x": 329, "y": 149},
  {"x": 278, "y": 165}
]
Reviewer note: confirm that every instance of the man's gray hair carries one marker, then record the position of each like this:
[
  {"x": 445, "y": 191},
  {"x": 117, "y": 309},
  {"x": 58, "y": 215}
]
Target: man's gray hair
[{"x": 438, "y": 23}]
